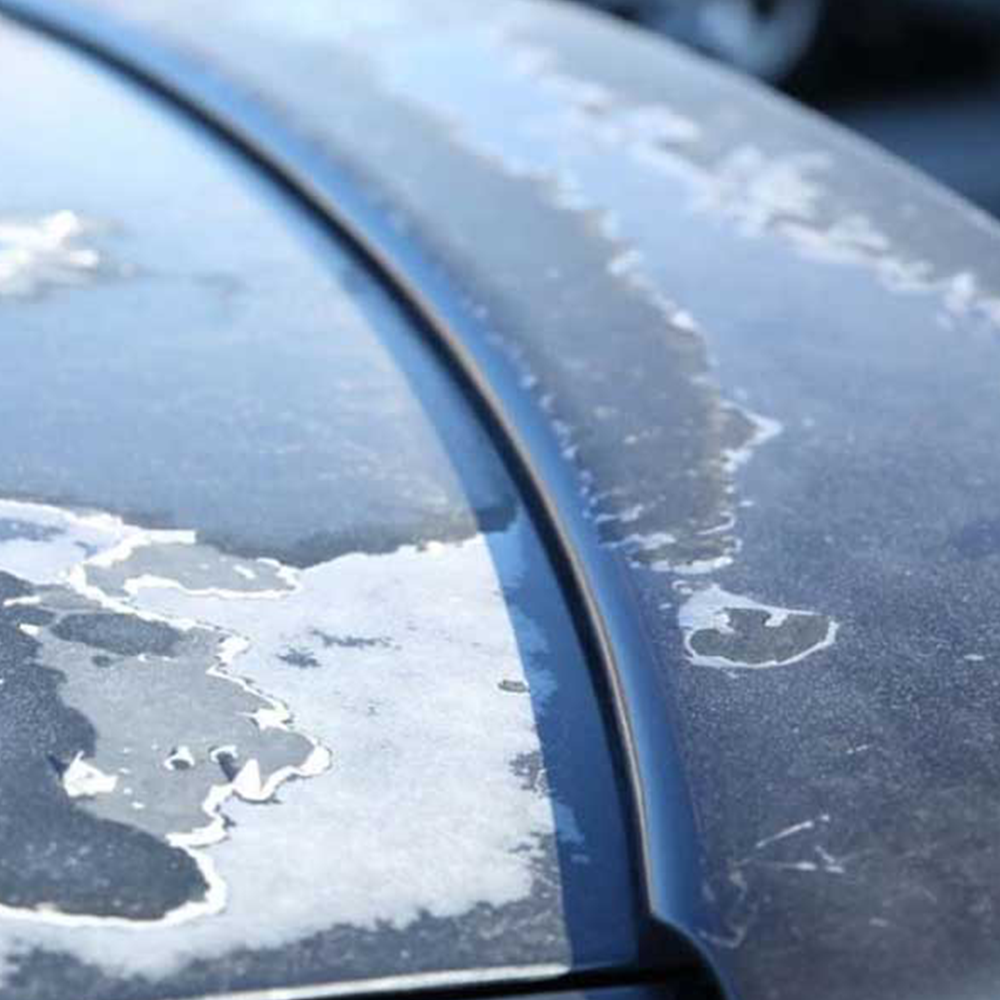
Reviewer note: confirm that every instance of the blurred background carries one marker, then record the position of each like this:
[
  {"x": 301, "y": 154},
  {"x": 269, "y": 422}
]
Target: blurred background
[{"x": 919, "y": 77}]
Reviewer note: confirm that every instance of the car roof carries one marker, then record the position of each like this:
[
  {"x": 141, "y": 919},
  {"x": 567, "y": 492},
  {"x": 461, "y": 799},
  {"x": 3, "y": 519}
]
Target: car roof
[
  {"x": 749, "y": 363},
  {"x": 291, "y": 696}
]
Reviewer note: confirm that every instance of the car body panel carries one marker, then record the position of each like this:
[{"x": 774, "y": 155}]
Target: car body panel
[
  {"x": 290, "y": 695},
  {"x": 765, "y": 356}
]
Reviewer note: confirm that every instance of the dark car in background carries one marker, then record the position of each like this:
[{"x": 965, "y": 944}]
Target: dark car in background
[
  {"x": 780, "y": 40},
  {"x": 768, "y": 38},
  {"x": 919, "y": 77}
]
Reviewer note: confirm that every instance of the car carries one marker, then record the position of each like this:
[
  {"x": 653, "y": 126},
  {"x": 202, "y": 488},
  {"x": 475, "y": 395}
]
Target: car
[
  {"x": 491, "y": 504},
  {"x": 771, "y": 39},
  {"x": 794, "y": 43}
]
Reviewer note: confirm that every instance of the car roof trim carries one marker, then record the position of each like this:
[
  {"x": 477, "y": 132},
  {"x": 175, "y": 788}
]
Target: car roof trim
[{"x": 663, "y": 835}]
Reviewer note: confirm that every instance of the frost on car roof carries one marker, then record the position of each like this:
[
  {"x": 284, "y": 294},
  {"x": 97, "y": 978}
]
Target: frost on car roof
[
  {"x": 284, "y": 672},
  {"x": 768, "y": 356},
  {"x": 209, "y": 683}
]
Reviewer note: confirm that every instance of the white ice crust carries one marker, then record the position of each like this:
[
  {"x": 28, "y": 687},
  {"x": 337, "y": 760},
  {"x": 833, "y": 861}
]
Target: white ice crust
[
  {"x": 420, "y": 810},
  {"x": 44, "y": 251}
]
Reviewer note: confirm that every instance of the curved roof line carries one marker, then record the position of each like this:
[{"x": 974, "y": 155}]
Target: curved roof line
[{"x": 663, "y": 832}]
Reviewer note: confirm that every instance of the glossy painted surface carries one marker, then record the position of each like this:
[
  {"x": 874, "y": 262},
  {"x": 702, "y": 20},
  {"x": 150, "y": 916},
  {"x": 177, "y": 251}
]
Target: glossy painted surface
[
  {"x": 289, "y": 695},
  {"x": 770, "y": 358}
]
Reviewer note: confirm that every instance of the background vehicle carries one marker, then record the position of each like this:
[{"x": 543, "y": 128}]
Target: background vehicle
[
  {"x": 919, "y": 77},
  {"x": 788, "y": 41},
  {"x": 772, "y": 39}
]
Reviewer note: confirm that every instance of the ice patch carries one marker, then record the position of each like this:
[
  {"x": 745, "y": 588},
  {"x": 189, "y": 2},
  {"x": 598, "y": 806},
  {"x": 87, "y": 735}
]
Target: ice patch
[
  {"x": 394, "y": 830},
  {"x": 83, "y": 780},
  {"x": 44, "y": 252},
  {"x": 733, "y": 632}
]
